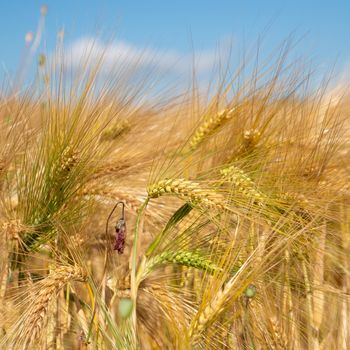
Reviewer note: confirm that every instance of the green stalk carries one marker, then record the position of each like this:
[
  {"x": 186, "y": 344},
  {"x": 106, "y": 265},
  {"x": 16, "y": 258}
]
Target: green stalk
[{"x": 133, "y": 281}]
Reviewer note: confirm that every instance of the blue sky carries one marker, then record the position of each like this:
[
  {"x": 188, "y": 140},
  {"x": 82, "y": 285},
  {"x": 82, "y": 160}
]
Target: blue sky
[{"x": 179, "y": 27}]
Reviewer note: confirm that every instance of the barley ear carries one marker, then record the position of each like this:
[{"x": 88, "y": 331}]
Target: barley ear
[{"x": 208, "y": 127}]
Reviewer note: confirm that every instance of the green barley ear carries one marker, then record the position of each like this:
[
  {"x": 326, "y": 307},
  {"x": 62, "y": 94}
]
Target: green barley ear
[{"x": 185, "y": 258}]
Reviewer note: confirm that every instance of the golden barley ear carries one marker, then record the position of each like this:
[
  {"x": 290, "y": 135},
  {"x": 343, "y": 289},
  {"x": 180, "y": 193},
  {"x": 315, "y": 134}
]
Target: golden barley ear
[
  {"x": 29, "y": 327},
  {"x": 187, "y": 190},
  {"x": 243, "y": 183},
  {"x": 209, "y": 127}
]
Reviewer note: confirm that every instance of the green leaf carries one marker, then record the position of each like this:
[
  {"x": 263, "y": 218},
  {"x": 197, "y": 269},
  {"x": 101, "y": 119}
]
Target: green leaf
[{"x": 178, "y": 216}]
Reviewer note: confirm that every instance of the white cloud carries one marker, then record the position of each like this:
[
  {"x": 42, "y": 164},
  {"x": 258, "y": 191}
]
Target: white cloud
[{"x": 121, "y": 55}]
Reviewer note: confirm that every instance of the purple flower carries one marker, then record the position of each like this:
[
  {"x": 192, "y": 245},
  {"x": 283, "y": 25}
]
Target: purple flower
[{"x": 120, "y": 230}]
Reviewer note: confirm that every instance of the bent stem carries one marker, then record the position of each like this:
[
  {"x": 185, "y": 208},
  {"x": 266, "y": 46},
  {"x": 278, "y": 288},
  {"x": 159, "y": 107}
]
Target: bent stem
[{"x": 134, "y": 284}]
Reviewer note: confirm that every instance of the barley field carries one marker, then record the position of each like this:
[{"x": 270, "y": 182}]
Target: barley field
[{"x": 199, "y": 220}]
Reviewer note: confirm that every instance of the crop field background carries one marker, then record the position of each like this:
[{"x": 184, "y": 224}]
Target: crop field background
[{"x": 137, "y": 217}]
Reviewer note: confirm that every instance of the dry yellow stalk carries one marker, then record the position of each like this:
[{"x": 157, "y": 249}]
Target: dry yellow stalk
[
  {"x": 51, "y": 329},
  {"x": 187, "y": 190},
  {"x": 318, "y": 296},
  {"x": 9, "y": 240},
  {"x": 209, "y": 126},
  {"x": 290, "y": 308},
  {"x": 2, "y": 171},
  {"x": 312, "y": 337}
]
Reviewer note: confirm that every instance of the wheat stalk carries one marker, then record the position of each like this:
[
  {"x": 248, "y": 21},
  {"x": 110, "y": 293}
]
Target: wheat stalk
[
  {"x": 313, "y": 341},
  {"x": 10, "y": 232},
  {"x": 318, "y": 296},
  {"x": 2, "y": 172}
]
